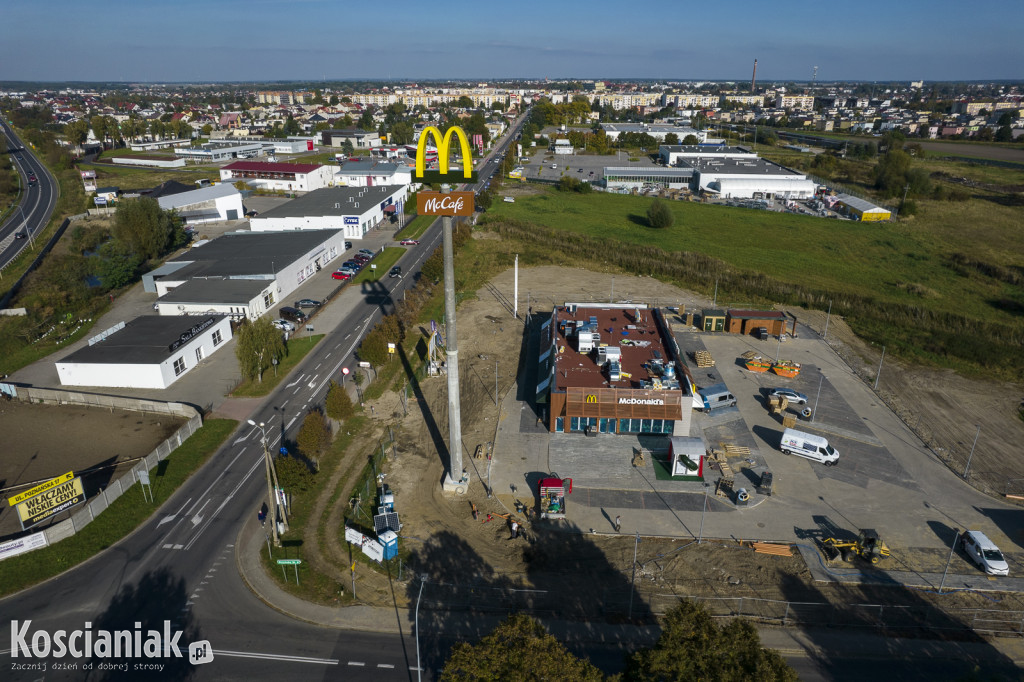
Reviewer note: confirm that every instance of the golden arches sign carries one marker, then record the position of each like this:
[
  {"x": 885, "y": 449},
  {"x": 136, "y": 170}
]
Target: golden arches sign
[
  {"x": 443, "y": 144},
  {"x": 591, "y": 398}
]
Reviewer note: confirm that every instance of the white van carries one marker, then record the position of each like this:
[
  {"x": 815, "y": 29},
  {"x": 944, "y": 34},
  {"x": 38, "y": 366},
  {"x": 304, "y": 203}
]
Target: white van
[{"x": 809, "y": 446}]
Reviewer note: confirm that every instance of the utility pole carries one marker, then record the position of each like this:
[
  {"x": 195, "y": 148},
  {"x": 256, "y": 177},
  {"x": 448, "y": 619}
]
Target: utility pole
[
  {"x": 814, "y": 412},
  {"x": 452, "y": 353},
  {"x": 271, "y": 478},
  {"x": 970, "y": 456},
  {"x": 632, "y": 581},
  {"x": 828, "y": 316},
  {"x": 879, "y": 372}
]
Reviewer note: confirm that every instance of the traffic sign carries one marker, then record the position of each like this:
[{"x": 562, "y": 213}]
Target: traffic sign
[
  {"x": 289, "y": 562},
  {"x": 344, "y": 370}
]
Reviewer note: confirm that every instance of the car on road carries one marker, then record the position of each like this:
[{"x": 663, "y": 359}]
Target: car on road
[
  {"x": 20, "y": 234},
  {"x": 409, "y": 242},
  {"x": 984, "y": 553},
  {"x": 341, "y": 274},
  {"x": 789, "y": 394},
  {"x": 284, "y": 325},
  {"x": 395, "y": 271},
  {"x": 308, "y": 303}
]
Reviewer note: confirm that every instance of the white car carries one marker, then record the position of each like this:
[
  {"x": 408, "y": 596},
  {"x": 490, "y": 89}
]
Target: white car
[
  {"x": 984, "y": 552},
  {"x": 284, "y": 325},
  {"x": 789, "y": 394}
]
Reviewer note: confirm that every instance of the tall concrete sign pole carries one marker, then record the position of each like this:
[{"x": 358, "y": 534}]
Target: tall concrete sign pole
[{"x": 452, "y": 346}]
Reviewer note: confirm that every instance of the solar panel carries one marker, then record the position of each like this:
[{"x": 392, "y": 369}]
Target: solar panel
[{"x": 387, "y": 521}]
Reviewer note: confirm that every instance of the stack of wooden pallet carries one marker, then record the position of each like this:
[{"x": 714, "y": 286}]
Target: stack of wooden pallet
[
  {"x": 750, "y": 355},
  {"x": 769, "y": 548},
  {"x": 735, "y": 450},
  {"x": 703, "y": 358}
]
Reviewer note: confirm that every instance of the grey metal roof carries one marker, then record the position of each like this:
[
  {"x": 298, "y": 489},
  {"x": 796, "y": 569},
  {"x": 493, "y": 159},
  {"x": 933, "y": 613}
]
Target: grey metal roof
[
  {"x": 250, "y": 254},
  {"x": 733, "y": 166},
  {"x": 197, "y": 196},
  {"x": 213, "y": 290},
  {"x": 648, "y": 171},
  {"x": 144, "y": 340},
  {"x": 861, "y": 205},
  {"x": 333, "y": 201}
]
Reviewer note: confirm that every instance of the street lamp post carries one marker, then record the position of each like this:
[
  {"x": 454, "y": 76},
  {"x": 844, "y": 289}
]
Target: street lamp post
[
  {"x": 970, "y": 456},
  {"x": 268, "y": 464},
  {"x": 814, "y": 412}
]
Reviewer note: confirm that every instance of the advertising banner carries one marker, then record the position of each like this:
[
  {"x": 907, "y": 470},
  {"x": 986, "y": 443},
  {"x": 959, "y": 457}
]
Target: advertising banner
[{"x": 50, "y": 502}]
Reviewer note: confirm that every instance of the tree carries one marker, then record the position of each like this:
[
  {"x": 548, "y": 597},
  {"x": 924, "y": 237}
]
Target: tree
[
  {"x": 338, "y": 404},
  {"x": 433, "y": 267},
  {"x": 116, "y": 264},
  {"x": 671, "y": 138},
  {"x": 366, "y": 121},
  {"x": 1004, "y": 134},
  {"x": 77, "y": 131},
  {"x": 659, "y": 215},
  {"x": 347, "y": 149},
  {"x": 314, "y": 437},
  {"x": 374, "y": 348},
  {"x": 291, "y": 126},
  {"x": 518, "y": 649},
  {"x": 464, "y": 102},
  {"x": 141, "y": 225},
  {"x": 401, "y": 133},
  {"x": 334, "y": 100},
  {"x": 693, "y": 647},
  {"x": 259, "y": 343}
]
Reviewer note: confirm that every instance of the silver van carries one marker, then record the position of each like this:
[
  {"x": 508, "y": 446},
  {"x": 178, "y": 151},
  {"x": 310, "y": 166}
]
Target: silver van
[{"x": 716, "y": 396}]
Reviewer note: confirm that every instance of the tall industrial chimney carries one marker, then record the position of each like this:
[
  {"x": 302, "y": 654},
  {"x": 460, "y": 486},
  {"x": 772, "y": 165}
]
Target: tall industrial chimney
[{"x": 753, "y": 79}]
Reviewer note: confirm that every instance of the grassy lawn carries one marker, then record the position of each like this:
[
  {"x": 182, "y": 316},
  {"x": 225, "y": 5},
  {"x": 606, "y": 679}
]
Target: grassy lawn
[
  {"x": 298, "y": 345},
  {"x": 415, "y": 228},
  {"x": 122, "y": 517},
  {"x": 943, "y": 287},
  {"x": 383, "y": 261}
]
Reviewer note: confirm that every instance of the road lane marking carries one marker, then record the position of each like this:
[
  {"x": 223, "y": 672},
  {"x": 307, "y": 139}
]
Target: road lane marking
[
  {"x": 275, "y": 657},
  {"x": 385, "y": 665},
  {"x": 358, "y": 663},
  {"x": 258, "y": 463},
  {"x": 290, "y": 423}
]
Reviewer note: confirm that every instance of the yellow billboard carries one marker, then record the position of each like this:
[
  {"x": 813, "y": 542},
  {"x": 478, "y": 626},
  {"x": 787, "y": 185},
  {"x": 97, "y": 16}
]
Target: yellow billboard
[
  {"x": 31, "y": 492},
  {"x": 50, "y": 502}
]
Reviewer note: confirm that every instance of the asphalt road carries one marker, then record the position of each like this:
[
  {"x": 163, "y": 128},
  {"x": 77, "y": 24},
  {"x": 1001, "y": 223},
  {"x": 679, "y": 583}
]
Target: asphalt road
[
  {"x": 35, "y": 205},
  {"x": 180, "y": 565}
]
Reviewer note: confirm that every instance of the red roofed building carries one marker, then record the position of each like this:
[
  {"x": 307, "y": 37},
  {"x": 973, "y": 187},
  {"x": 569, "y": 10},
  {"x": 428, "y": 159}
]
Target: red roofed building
[{"x": 287, "y": 177}]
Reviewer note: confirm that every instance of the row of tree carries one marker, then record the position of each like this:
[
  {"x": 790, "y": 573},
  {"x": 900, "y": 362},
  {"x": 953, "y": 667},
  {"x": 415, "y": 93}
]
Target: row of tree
[{"x": 692, "y": 646}]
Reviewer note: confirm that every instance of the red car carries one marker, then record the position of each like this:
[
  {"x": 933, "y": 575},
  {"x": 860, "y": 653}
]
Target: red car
[
  {"x": 338, "y": 274},
  {"x": 409, "y": 242}
]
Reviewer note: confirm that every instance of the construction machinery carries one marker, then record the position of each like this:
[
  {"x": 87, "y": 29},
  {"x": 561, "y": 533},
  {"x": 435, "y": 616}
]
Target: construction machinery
[{"x": 868, "y": 546}]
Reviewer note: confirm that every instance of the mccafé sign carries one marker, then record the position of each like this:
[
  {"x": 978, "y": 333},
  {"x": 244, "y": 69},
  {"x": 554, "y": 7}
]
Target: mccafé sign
[{"x": 437, "y": 203}]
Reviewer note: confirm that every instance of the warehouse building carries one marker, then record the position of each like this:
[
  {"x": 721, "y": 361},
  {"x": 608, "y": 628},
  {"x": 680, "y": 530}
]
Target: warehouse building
[
  {"x": 356, "y": 210},
  {"x": 638, "y": 177},
  {"x": 373, "y": 173},
  {"x": 206, "y": 204},
  {"x": 148, "y": 352},
  {"x": 679, "y": 154},
  {"x": 656, "y": 130},
  {"x": 749, "y": 179},
  {"x": 612, "y": 368},
  {"x": 212, "y": 152},
  {"x": 242, "y": 274},
  {"x": 286, "y": 177},
  {"x": 861, "y": 209}
]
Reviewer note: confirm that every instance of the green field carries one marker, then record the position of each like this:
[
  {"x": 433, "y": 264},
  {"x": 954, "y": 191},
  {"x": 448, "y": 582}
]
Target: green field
[{"x": 934, "y": 286}]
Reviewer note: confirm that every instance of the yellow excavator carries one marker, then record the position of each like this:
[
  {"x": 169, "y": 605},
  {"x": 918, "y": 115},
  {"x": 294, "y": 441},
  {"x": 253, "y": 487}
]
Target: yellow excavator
[{"x": 867, "y": 546}]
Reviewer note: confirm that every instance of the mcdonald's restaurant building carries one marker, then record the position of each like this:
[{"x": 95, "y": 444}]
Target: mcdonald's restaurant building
[{"x": 612, "y": 368}]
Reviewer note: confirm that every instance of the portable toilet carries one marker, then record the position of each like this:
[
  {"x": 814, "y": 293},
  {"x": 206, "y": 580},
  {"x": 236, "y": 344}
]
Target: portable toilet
[{"x": 389, "y": 539}]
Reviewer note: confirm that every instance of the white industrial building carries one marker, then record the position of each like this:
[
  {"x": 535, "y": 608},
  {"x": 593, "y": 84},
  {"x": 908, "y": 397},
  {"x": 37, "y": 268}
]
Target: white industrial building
[
  {"x": 222, "y": 151},
  {"x": 242, "y": 274},
  {"x": 206, "y": 204},
  {"x": 148, "y": 352},
  {"x": 356, "y": 210},
  {"x": 638, "y": 177},
  {"x": 373, "y": 173},
  {"x": 360, "y": 139},
  {"x": 673, "y": 154},
  {"x": 656, "y": 130},
  {"x": 749, "y": 179},
  {"x": 286, "y": 177}
]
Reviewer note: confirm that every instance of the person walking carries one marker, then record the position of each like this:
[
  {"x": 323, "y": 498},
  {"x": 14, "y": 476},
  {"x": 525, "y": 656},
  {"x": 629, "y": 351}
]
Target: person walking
[
  {"x": 618, "y": 523},
  {"x": 515, "y": 530}
]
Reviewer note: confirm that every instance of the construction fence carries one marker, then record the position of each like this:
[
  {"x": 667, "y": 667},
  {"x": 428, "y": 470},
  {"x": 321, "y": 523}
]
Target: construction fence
[{"x": 88, "y": 513}]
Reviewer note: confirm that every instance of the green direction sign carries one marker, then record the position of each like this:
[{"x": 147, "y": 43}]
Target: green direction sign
[{"x": 289, "y": 562}]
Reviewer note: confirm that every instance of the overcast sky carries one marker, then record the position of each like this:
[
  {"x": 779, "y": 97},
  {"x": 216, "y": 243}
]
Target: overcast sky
[{"x": 258, "y": 40}]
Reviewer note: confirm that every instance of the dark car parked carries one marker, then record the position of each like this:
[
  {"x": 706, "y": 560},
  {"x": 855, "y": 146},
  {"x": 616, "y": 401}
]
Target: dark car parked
[
  {"x": 308, "y": 303},
  {"x": 293, "y": 314}
]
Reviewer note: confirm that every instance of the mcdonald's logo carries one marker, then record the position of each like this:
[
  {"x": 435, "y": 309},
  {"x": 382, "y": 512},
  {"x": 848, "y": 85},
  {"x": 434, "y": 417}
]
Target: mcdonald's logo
[
  {"x": 591, "y": 398},
  {"x": 443, "y": 148}
]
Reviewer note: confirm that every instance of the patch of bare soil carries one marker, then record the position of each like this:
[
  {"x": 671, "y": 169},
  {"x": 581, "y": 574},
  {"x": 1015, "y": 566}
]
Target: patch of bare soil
[{"x": 44, "y": 441}]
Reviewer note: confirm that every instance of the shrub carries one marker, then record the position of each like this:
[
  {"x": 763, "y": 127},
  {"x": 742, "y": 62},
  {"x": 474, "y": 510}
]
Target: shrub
[{"x": 659, "y": 215}]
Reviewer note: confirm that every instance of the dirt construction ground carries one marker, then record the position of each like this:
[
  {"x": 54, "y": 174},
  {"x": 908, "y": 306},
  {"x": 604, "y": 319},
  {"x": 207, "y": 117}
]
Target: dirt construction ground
[
  {"x": 544, "y": 571},
  {"x": 44, "y": 441}
]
